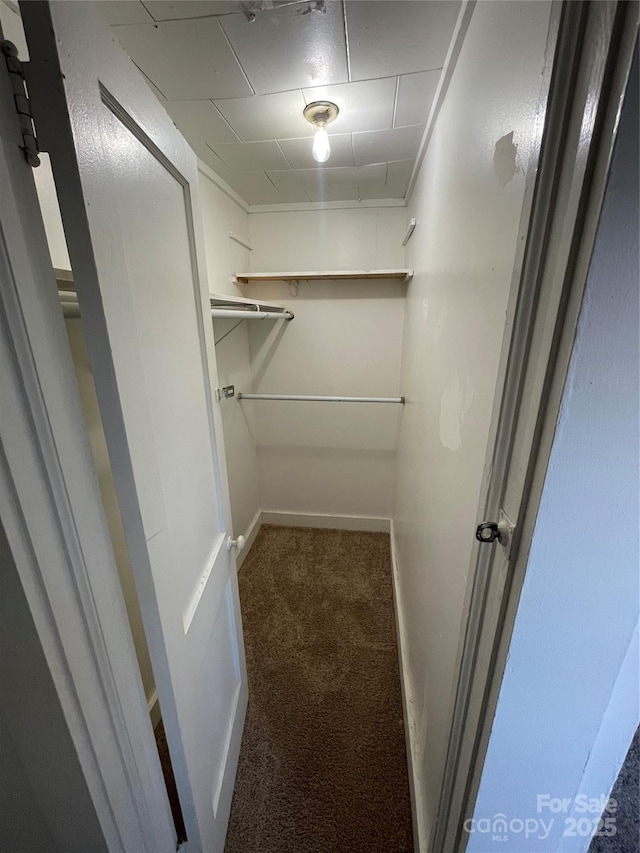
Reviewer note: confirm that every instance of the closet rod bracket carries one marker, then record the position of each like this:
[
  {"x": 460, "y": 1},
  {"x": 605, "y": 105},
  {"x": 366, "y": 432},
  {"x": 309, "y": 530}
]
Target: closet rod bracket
[{"x": 225, "y": 393}]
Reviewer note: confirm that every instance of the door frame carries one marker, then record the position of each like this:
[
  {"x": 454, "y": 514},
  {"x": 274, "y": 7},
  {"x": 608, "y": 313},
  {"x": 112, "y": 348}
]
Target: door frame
[
  {"x": 57, "y": 532},
  {"x": 590, "y": 50}
]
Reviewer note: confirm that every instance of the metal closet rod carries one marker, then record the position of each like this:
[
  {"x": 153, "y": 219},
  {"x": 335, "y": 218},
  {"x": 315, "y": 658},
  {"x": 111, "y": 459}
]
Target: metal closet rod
[
  {"x": 232, "y": 314},
  {"x": 71, "y": 308},
  {"x": 314, "y": 399}
]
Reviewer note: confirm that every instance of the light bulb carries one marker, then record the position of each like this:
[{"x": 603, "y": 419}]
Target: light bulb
[{"x": 321, "y": 148}]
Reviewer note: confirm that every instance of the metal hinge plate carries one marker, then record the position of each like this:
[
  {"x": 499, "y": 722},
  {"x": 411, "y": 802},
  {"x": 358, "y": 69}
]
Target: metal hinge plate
[
  {"x": 21, "y": 99},
  {"x": 225, "y": 393}
]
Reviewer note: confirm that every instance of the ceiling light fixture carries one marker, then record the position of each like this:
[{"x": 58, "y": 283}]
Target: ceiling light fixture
[{"x": 320, "y": 114}]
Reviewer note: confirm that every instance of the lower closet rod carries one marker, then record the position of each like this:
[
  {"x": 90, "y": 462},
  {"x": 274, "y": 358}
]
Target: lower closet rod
[{"x": 311, "y": 399}]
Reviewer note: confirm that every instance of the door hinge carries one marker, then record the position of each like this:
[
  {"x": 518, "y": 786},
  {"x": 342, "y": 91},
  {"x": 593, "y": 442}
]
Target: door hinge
[{"x": 21, "y": 99}]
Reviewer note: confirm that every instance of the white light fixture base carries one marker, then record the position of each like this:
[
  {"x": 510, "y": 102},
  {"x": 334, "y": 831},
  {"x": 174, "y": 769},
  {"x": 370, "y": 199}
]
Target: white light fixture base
[{"x": 321, "y": 111}]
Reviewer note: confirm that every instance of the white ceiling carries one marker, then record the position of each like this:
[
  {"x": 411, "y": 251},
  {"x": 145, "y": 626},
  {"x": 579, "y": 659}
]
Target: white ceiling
[{"x": 237, "y": 89}]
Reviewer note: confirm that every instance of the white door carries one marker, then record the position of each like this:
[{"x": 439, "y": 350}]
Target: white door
[{"x": 127, "y": 185}]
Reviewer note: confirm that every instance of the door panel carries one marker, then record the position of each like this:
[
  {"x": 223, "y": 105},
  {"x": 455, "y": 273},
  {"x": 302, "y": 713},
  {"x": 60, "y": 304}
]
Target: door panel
[
  {"x": 150, "y": 205},
  {"x": 127, "y": 185}
]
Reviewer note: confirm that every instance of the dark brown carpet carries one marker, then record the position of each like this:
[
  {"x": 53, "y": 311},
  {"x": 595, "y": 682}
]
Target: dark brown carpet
[
  {"x": 169, "y": 781},
  {"x": 323, "y": 764}
]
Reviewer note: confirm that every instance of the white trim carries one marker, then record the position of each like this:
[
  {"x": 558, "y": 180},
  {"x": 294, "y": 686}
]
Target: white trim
[
  {"x": 250, "y": 536},
  {"x": 326, "y": 521},
  {"x": 408, "y": 707},
  {"x": 327, "y": 205},
  {"x": 459, "y": 34}
]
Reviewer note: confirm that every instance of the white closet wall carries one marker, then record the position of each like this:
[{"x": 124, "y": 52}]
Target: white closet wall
[
  {"x": 60, "y": 260},
  {"x": 222, "y": 215},
  {"x": 467, "y": 201},
  {"x": 346, "y": 339}
]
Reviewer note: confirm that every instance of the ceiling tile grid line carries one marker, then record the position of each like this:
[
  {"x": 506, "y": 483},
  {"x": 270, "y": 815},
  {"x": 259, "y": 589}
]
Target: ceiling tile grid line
[
  {"x": 237, "y": 89},
  {"x": 233, "y": 51},
  {"x": 438, "y": 70},
  {"x": 346, "y": 39}
]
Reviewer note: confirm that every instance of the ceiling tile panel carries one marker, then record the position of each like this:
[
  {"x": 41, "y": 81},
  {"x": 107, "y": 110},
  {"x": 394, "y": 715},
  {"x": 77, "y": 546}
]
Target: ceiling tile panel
[
  {"x": 255, "y": 188},
  {"x": 415, "y": 97},
  {"x": 262, "y": 117},
  {"x": 251, "y": 156},
  {"x": 383, "y": 145},
  {"x": 321, "y": 192},
  {"x": 200, "y": 121},
  {"x": 285, "y": 49},
  {"x": 288, "y": 180},
  {"x": 186, "y": 60},
  {"x": 159, "y": 95},
  {"x": 205, "y": 153},
  {"x": 366, "y": 105},
  {"x": 207, "y": 62},
  {"x": 123, "y": 11},
  {"x": 398, "y": 174},
  {"x": 373, "y": 175},
  {"x": 346, "y": 179},
  {"x": 298, "y": 152},
  {"x": 171, "y": 10},
  {"x": 390, "y": 37}
]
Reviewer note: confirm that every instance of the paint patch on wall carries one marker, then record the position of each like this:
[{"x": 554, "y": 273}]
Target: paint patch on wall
[
  {"x": 438, "y": 329},
  {"x": 454, "y": 405},
  {"x": 505, "y": 160}
]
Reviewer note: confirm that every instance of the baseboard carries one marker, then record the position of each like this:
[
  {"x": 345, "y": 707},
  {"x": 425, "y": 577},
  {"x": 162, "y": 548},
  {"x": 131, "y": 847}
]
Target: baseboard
[
  {"x": 153, "y": 706},
  {"x": 333, "y": 522},
  {"x": 250, "y": 534},
  {"x": 408, "y": 709}
]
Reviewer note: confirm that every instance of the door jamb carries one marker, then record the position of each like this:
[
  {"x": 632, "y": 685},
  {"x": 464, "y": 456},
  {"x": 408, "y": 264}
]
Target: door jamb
[{"x": 593, "y": 44}]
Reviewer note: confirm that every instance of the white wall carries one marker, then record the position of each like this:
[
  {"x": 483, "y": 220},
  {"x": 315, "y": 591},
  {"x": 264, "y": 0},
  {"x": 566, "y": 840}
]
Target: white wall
[
  {"x": 95, "y": 431},
  {"x": 346, "y": 339},
  {"x": 569, "y": 702},
  {"x": 225, "y": 257},
  {"x": 468, "y": 202}
]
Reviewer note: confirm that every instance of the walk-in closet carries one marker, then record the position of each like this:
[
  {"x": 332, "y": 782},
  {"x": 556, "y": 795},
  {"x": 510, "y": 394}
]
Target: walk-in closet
[{"x": 286, "y": 239}]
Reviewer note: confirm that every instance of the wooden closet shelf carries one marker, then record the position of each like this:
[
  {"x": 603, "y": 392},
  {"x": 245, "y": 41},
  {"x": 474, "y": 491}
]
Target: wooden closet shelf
[{"x": 335, "y": 275}]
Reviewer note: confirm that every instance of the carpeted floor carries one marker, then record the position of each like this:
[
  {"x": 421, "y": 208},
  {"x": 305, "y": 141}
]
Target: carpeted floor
[
  {"x": 626, "y": 793},
  {"x": 169, "y": 781},
  {"x": 323, "y": 763}
]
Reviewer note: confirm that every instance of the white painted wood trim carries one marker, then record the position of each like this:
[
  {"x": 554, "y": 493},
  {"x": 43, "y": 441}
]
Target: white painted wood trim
[
  {"x": 250, "y": 537},
  {"x": 326, "y": 522},
  {"x": 408, "y": 707}
]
